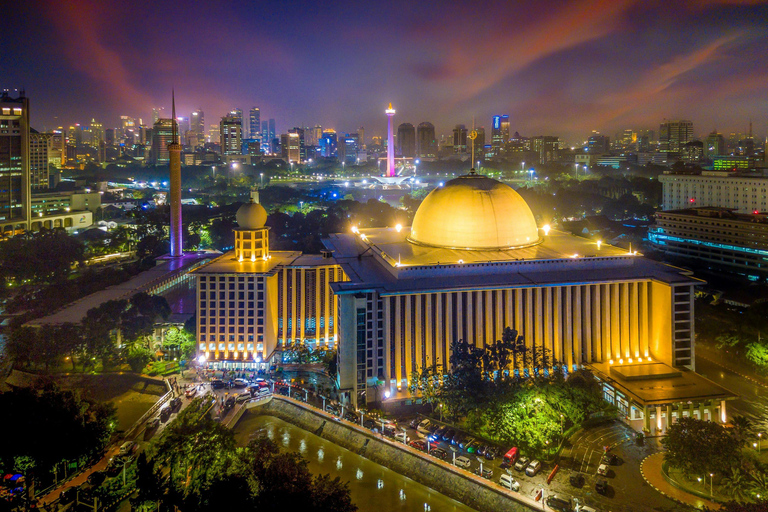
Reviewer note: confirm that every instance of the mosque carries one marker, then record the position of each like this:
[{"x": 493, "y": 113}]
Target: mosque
[{"x": 392, "y": 300}]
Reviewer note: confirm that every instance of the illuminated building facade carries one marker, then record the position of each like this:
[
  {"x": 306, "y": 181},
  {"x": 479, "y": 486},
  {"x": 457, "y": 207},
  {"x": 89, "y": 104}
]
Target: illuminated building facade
[
  {"x": 162, "y": 136},
  {"x": 231, "y": 135},
  {"x": 741, "y": 192},
  {"x": 426, "y": 143},
  {"x": 40, "y": 150},
  {"x": 474, "y": 262},
  {"x": 674, "y": 134},
  {"x": 499, "y": 133},
  {"x": 252, "y": 300},
  {"x": 717, "y": 238},
  {"x": 14, "y": 162},
  {"x": 406, "y": 140}
]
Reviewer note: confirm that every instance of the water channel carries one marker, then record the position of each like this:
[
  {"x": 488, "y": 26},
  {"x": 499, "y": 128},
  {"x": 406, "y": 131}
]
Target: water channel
[{"x": 374, "y": 488}]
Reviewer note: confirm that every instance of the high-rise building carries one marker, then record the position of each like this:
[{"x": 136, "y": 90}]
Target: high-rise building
[
  {"x": 40, "y": 149},
  {"x": 406, "y": 140},
  {"x": 57, "y": 154},
  {"x": 254, "y": 125},
  {"x": 272, "y": 135},
  {"x": 348, "y": 148},
  {"x": 499, "y": 133},
  {"x": 328, "y": 144},
  {"x": 265, "y": 140},
  {"x": 183, "y": 126},
  {"x": 674, "y": 134},
  {"x": 162, "y": 135},
  {"x": 231, "y": 135},
  {"x": 460, "y": 139},
  {"x": 598, "y": 144},
  {"x": 197, "y": 122},
  {"x": 157, "y": 113},
  {"x": 128, "y": 125},
  {"x": 299, "y": 132},
  {"x": 547, "y": 147},
  {"x": 692, "y": 152},
  {"x": 290, "y": 146},
  {"x": 426, "y": 143},
  {"x": 361, "y": 137},
  {"x": 14, "y": 160}
]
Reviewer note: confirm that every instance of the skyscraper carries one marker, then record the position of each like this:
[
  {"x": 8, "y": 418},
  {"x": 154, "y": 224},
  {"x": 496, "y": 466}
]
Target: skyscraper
[
  {"x": 265, "y": 140},
  {"x": 157, "y": 114},
  {"x": 162, "y": 135},
  {"x": 426, "y": 143},
  {"x": 197, "y": 122},
  {"x": 406, "y": 140},
  {"x": 674, "y": 134},
  {"x": 272, "y": 134},
  {"x": 460, "y": 139},
  {"x": 254, "y": 126},
  {"x": 231, "y": 135},
  {"x": 328, "y": 144},
  {"x": 598, "y": 144},
  {"x": 14, "y": 159},
  {"x": 499, "y": 133},
  {"x": 40, "y": 149},
  {"x": 714, "y": 145}
]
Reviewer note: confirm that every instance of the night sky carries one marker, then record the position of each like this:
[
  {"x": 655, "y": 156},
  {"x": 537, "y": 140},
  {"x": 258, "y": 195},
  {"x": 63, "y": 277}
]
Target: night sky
[{"x": 561, "y": 68}]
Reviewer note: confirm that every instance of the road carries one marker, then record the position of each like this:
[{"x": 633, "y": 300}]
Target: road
[{"x": 752, "y": 400}]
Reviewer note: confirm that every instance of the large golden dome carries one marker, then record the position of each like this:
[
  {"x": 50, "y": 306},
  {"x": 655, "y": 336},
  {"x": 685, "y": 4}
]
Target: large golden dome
[{"x": 474, "y": 212}]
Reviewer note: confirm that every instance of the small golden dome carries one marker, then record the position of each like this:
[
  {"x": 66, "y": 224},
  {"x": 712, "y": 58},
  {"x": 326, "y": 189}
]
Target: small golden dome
[
  {"x": 474, "y": 212},
  {"x": 251, "y": 216}
]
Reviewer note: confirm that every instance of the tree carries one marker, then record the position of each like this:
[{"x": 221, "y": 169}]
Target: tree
[
  {"x": 700, "y": 447},
  {"x": 761, "y": 505}
]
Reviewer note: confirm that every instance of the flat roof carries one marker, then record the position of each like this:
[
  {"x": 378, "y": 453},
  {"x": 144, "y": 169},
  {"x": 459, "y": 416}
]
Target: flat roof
[
  {"x": 165, "y": 269},
  {"x": 656, "y": 383},
  {"x": 227, "y": 264}
]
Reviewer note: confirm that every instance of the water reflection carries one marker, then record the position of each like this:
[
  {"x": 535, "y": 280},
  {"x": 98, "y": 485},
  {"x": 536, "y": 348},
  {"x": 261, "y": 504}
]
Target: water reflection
[{"x": 374, "y": 488}]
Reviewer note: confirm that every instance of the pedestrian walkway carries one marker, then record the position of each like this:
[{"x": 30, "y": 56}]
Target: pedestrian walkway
[{"x": 650, "y": 468}]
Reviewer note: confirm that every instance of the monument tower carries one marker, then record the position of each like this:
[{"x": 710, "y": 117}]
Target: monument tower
[
  {"x": 390, "y": 143},
  {"x": 174, "y": 155}
]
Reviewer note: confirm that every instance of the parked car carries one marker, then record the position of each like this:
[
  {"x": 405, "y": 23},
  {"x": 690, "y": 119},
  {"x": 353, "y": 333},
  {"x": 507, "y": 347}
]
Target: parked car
[
  {"x": 463, "y": 462},
  {"x": 97, "y": 478},
  {"x": 419, "y": 444},
  {"x": 242, "y": 397},
  {"x": 175, "y": 403},
  {"x": 153, "y": 423},
  {"x": 458, "y": 439},
  {"x": 448, "y": 435},
  {"x": 114, "y": 466},
  {"x": 423, "y": 427},
  {"x": 601, "y": 486},
  {"x": 230, "y": 401},
  {"x": 522, "y": 463},
  {"x": 191, "y": 391},
  {"x": 533, "y": 468},
  {"x": 602, "y": 470},
  {"x": 510, "y": 457},
  {"x": 414, "y": 422},
  {"x": 439, "y": 453},
  {"x": 510, "y": 483},
  {"x": 217, "y": 384},
  {"x": 332, "y": 409},
  {"x": 239, "y": 383},
  {"x": 485, "y": 473},
  {"x": 584, "y": 508},
  {"x": 68, "y": 495},
  {"x": 490, "y": 453},
  {"x": 369, "y": 423},
  {"x": 576, "y": 480},
  {"x": 165, "y": 413},
  {"x": 610, "y": 459},
  {"x": 481, "y": 449},
  {"x": 128, "y": 448},
  {"x": 351, "y": 417},
  {"x": 438, "y": 434},
  {"x": 559, "y": 503},
  {"x": 472, "y": 445}
]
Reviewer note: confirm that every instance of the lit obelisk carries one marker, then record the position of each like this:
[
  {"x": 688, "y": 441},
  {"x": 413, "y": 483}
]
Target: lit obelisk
[
  {"x": 174, "y": 156},
  {"x": 390, "y": 143}
]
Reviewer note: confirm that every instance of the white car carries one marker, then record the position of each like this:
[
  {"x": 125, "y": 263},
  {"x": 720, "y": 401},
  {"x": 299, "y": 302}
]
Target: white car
[
  {"x": 602, "y": 469},
  {"x": 463, "y": 462},
  {"x": 423, "y": 428},
  {"x": 128, "y": 448}
]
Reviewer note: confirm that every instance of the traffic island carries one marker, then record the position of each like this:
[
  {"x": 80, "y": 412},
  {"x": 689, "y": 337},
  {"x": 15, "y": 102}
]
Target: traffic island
[{"x": 652, "y": 469}]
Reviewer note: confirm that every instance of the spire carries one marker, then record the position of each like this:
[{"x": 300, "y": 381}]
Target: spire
[{"x": 173, "y": 115}]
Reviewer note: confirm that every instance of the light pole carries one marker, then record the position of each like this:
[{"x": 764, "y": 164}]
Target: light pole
[
  {"x": 711, "y": 478},
  {"x": 261, "y": 176},
  {"x": 561, "y": 425},
  {"x": 441, "y": 412},
  {"x": 759, "y": 439}
]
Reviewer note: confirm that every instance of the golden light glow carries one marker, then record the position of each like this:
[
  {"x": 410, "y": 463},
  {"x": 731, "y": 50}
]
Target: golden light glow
[
  {"x": 461, "y": 262},
  {"x": 355, "y": 230},
  {"x": 399, "y": 228},
  {"x": 621, "y": 361},
  {"x": 599, "y": 243},
  {"x": 546, "y": 229},
  {"x": 610, "y": 362},
  {"x": 629, "y": 360}
]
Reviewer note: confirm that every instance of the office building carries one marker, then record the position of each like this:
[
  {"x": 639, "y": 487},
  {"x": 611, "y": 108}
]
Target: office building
[
  {"x": 272, "y": 135},
  {"x": 231, "y": 135},
  {"x": 406, "y": 140},
  {"x": 692, "y": 152},
  {"x": 14, "y": 163},
  {"x": 714, "y": 145},
  {"x": 546, "y": 147},
  {"x": 460, "y": 139},
  {"x": 718, "y": 239},
  {"x": 740, "y": 192},
  {"x": 254, "y": 125},
  {"x": 40, "y": 151},
  {"x": 162, "y": 135},
  {"x": 598, "y": 145},
  {"x": 328, "y": 144},
  {"x": 197, "y": 123},
  {"x": 499, "y": 134},
  {"x": 674, "y": 134},
  {"x": 426, "y": 142},
  {"x": 349, "y": 146},
  {"x": 290, "y": 146}
]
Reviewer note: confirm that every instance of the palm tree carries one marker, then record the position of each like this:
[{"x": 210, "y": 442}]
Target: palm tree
[
  {"x": 743, "y": 429},
  {"x": 737, "y": 485}
]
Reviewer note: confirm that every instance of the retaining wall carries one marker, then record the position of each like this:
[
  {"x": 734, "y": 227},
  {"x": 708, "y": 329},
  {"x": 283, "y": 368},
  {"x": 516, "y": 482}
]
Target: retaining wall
[{"x": 474, "y": 491}]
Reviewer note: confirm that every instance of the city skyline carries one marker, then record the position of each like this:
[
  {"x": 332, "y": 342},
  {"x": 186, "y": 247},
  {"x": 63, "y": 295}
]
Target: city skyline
[{"x": 587, "y": 65}]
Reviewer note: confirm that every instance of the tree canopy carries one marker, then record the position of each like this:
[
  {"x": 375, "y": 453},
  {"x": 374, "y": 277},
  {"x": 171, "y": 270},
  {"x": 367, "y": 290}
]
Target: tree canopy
[{"x": 699, "y": 447}]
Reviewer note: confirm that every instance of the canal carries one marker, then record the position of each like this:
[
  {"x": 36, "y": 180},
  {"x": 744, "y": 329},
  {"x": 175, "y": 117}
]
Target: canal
[{"x": 374, "y": 488}]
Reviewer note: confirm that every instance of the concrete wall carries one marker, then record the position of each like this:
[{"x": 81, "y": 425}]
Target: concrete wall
[{"x": 478, "y": 493}]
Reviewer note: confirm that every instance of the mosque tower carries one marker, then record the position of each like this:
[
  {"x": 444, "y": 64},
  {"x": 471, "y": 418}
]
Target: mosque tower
[
  {"x": 174, "y": 155},
  {"x": 390, "y": 143}
]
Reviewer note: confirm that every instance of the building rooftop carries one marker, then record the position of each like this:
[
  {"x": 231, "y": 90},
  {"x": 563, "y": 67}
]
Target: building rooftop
[
  {"x": 715, "y": 212},
  {"x": 386, "y": 261},
  {"x": 227, "y": 264},
  {"x": 655, "y": 383}
]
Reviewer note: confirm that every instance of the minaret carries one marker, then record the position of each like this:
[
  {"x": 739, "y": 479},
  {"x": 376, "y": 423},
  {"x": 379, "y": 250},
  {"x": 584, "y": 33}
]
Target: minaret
[
  {"x": 174, "y": 155},
  {"x": 390, "y": 143}
]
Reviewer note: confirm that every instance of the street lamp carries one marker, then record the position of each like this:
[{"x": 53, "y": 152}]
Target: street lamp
[
  {"x": 711, "y": 478},
  {"x": 261, "y": 176},
  {"x": 759, "y": 443},
  {"x": 561, "y": 425}
]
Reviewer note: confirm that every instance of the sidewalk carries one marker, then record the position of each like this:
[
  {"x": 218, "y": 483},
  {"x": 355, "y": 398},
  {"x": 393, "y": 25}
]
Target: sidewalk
[{"x": 650, "y": 468}]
